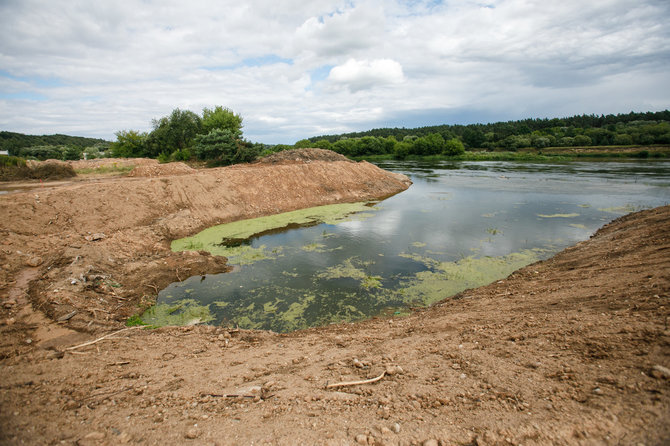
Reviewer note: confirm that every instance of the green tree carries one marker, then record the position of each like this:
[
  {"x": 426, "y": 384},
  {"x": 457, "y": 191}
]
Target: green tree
[
  {"x": 174, "y": 132},
  {"x": 623, "y": 139},
  {"x": 323, "y": 144},
  {"x": 72, "y": 153},
  {"x": 221, "y": 118},
  {"x": 581, "y": 140},
  {"x": 432, "y": 144},
  {"x": 453, "y": 147},
  {"x": 129, "y": 144},
  {"x": 473, "y": 138},
  {"x": 223, "y": 147},
  {"x": 304, "y": 144}
]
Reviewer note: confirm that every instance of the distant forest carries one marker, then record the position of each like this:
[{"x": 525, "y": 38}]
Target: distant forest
[
  {"x": 50, "y": 146},
  {"x": 629, "y": 129}
]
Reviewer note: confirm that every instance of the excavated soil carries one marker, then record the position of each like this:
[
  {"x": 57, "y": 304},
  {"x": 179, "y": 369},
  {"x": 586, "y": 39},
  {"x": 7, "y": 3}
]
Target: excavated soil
[{"x": 571, "y": 350}]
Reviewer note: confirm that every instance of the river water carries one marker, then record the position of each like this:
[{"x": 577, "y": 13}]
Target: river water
[{"x": 460, "y": 225}]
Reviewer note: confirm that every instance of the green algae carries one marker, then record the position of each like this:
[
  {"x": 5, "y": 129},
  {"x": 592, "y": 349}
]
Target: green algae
[
  {"x": 572, "y": 215},
  {"x": 183, "y": 312},
  {"x": 450, "y": 278},
  {"x": 627, "y": 209},
  {"x": 227, "y": 239},
  {"x": 577, "y": 225},
  {"x": 349, "y": 268},
  {"x": 371, "y": 282}
]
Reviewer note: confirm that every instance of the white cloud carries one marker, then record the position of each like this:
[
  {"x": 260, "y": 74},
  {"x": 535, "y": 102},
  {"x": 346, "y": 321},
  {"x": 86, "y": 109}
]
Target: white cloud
[
  {"x": 92, "y": 68},
  {"x": 364, "y": 74}
]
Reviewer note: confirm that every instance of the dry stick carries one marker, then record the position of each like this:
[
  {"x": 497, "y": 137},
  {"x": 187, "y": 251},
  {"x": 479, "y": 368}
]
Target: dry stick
[
  {"x": 356, "y": 383},
  {"x": 100, "y": 339}
]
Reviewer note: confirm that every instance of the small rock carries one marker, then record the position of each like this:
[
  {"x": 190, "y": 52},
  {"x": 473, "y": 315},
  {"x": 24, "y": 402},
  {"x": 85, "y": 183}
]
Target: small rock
[
  {"x": 385, "y": 430},
  {"x": 598, "y": 391},
  {"x": 463, "y": 376},
  {"x": 395, "y": 428},
  {"x": 96, "y": 237},
  {"x": 393, "y": 370},
  {"x": 658, "y": 371},
  {"x": 361, "y": 439},
  {"x": 430, "y": 442},
  {"x": 34, "y": 261},
  {"x": 192, "y": 434},
  {"x": 358, "y": 363}
]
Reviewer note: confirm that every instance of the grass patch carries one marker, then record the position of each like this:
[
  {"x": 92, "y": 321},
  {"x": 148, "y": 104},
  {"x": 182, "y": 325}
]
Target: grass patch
[
  {"x": 104, "y": 170},
  {"x": 135, "y": 320}
]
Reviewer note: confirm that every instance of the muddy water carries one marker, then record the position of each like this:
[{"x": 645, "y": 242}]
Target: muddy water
[{"x": 460, "y": 225}]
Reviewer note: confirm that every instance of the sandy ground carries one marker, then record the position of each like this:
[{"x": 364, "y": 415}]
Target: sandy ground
[{"x": 572, "y": 350}]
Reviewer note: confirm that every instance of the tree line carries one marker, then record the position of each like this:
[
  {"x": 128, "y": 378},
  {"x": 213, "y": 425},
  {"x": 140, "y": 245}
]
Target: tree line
[
  {"x": 215, "y": 136},
  {"x": 57, "y": 146},
  {"x": 577, "y": 131}
]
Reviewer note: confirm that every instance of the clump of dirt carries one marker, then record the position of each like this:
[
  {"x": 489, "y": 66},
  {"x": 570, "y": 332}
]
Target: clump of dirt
[
  {"x": 304, "y": 155},
  {"x": 161, "y": 170}
]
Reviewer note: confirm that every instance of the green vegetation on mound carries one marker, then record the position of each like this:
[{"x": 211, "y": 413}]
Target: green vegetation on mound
[{"x": 15, "y": 168}]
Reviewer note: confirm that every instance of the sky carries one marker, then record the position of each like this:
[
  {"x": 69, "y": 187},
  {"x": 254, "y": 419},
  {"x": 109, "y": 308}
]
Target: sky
[{"x": 294, "y": 69}]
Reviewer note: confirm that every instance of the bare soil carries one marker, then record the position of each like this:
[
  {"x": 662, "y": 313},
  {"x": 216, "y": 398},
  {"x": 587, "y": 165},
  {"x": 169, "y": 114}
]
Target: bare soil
[{"x": 571, "y": 350}]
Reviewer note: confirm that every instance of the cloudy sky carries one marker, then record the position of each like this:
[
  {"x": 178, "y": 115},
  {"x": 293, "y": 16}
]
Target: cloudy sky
[{"x": 295, "y": 68}]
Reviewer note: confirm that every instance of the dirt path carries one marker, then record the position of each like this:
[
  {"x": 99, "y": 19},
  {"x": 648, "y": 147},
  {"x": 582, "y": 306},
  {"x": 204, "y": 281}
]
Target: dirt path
[{"x": 572, "y": 350}]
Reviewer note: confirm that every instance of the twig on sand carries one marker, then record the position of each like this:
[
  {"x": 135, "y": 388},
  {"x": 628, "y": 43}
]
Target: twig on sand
[
  {"x": 100, "y": 339},
  {"x": 356, "y": 383}
]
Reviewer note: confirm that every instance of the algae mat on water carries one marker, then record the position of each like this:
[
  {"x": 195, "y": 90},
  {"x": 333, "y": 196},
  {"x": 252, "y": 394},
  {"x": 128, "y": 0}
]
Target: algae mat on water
[{"x": 228, "y": 239}]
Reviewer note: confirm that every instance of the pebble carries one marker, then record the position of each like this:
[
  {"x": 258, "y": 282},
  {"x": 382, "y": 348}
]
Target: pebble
[
  {"x": 658, "y": 371},
  {"x": 361, "y": 439},
  {"x": 192, "y": 434},
  {"x": 34, "y": 261},
  {"x": 396, "y": 428},
  {"x": 598, "y": 391},
  {"x": 431, "y": 442},
  {"x": 394, "y": 370},
  {"x": 95, "y": 237}
]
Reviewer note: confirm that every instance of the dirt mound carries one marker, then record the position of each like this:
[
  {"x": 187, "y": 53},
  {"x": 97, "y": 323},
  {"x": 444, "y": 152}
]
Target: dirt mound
[
  {"x": 111, "y": 163},
  {"x": 161, "y": 170},
  {"x": 304, "y": 155},
  {"x": 37, "y": 170}
]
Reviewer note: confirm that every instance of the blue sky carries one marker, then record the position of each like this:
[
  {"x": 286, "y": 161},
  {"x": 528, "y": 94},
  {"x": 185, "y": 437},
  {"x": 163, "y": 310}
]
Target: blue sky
[{"x": 296, "y": 69}]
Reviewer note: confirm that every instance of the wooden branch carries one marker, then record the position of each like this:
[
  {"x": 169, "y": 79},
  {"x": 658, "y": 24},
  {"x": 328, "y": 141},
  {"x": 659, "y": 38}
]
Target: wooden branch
[
  {"x": 356, "y": 383},
  {"x": 100, "y": 339}
]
